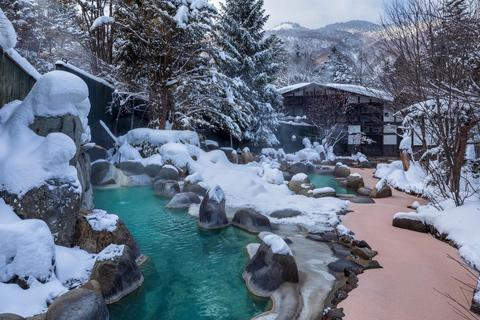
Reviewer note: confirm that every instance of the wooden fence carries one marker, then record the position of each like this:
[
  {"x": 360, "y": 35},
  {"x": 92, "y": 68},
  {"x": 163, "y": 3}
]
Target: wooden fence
[{"x": 15, "y": 82}]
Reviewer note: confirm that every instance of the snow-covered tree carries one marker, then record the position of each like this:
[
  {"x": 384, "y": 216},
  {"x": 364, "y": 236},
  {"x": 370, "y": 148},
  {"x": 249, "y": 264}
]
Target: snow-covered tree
[
  {"x": 167, "y": 55},
  {"x": 436, "y": 43},
  {"x": 254, "y": 61},
  {"x": 340, "y": 68}
]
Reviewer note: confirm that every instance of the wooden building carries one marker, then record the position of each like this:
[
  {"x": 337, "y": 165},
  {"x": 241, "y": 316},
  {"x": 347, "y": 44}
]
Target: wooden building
[
  {"x": 356, "y": 110},
  {"x": 17, "y": 77}
]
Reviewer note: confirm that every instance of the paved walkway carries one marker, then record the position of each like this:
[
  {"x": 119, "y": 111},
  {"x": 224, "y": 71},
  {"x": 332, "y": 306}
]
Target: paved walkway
[{"x": 414, "y": 265}]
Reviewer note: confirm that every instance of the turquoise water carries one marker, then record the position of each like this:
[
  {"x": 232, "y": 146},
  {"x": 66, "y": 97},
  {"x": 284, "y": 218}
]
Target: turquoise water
[
  {"x": 190, "y": 273},
  {"x": 328, "y": 180}
]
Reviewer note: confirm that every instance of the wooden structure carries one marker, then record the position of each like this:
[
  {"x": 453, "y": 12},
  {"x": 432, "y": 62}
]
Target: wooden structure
[
  {"x": 354, "y": 109},
  {"x": 100, "y": 94},
  {"x": 15, "y": 81}
]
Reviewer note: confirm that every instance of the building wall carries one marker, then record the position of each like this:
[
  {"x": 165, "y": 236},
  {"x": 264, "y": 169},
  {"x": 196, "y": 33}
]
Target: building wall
[
  {"x": 100, "y": 98},
  {"x": 15, "y": 83}
]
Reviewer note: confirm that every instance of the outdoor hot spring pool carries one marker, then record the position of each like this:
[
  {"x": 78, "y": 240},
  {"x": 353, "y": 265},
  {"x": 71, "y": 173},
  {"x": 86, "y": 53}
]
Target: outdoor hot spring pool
[
  {"x": 190, "y": 273},
  {"x": 328, "y": 180}
]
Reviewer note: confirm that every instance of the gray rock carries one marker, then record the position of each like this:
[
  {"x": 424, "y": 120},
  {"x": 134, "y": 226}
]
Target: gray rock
[
  {"x": 363, "y": 253},
  {"x": 131, "y": 168},
  {"x": 194, "y": 188},
  {"x": 298, "y": 167},
  {"x": 10, "y": 316},
  {"x": 295, "y": 184},
  {"x": 340, "y": 250},
  {"x": 364, "y": 164},
  {"x": 93, "y": 285},
  {"x": 83, "y": 167},
  {"x": 267, "y": 271},
  {"x": 152, "y": 170},
  {"x": 317, "y": 238},
  {"x": 475, "y": 307},
  {"x": 341, "y": 264},
  {"x": 286, "y": 176},
  {"x": 166, "y": 188},
  {"x": 78, "y": 304},
  {"x": 168, "y": 173},
  {"x": 103, "y": 173},
  {"x": 285, "y": 213},
  {"x": 364, "y": 191},
  {"x": 247, "y": 157},
  {"x": 57, "y": 203},
  {"x": 342, "y": 183},
  {"x": 183, "y": 200},
  {"x": 411, "y": 224},
  {"x": 251, "y": 220},
  {"x": 354, "y": 182},
  {"x": 68, "y": 124},
  {"x": 341, "y": 171},
  {"x": 384, "y": 192},
  {"x": 95, "y": 241},
  {"x": 117, "y": 276},
  {"x": 212, "y": 213}
]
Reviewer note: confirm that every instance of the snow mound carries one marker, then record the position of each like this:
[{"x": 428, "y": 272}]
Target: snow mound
[
  {"x": 299, "y": 177},
  {"x": 176, "y": 153},
  {"x": 277, "y": 244},
  {"x": 6, "y": 213},
  {"x": 159, "y": 137},
  {"x": 101, "y": 220},
  {"x": 73, "y": 265},
  {"x": 27, "y": 251},
  {"x": 28, "y": 160},
  {"x": 274, "y": 176},
  {"x": 8, "y": 37},
  {"x": 194, "y": 178},
  {"x": 110, "y": 252}
]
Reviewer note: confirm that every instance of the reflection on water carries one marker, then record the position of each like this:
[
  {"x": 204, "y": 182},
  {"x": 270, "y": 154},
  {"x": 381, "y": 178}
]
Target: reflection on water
[{"x": 190, "y": 273}]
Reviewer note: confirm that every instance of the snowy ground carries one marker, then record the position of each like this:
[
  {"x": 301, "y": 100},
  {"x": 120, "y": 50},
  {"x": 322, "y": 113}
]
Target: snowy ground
[{"x": 461, "y": 224}]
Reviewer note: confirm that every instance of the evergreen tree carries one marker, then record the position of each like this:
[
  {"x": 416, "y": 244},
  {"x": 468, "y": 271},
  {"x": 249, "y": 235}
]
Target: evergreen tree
[
  {"x": 167, "y": 54},
  {"x": 254, "y": 60}
]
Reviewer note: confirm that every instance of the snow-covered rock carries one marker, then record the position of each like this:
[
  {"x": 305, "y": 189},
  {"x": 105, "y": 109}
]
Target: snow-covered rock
[
  {"x": 8, "y": 37},
  {"x": 212, "y": 209},
  {"x": 274, "y": 176}
]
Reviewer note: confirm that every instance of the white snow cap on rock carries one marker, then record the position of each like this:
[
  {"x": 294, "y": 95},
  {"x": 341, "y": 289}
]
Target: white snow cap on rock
[
  {"x": 274, "y": 176},
  {"x": 380, "y": 184},
  {"x": 8, "y": 37},
  {"x": 321, "y": 190},
  {"x": 216, "y": 194},
  {"x": 299, "y": 177},
  {"x": 277, "y": 244},
  {"x": 194, "y": 178},
  {"x": 357, "y": 175},
  {"x": 110, "y": 252},
  {"x": 101, "y": 220}
]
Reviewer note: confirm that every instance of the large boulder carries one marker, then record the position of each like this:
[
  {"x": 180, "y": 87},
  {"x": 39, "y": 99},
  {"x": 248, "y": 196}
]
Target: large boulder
[
  {"x": 322, "y": 192},
  {"x": 194, "y": 183},
  {"x": 409, "y": 222},
  {"x": 251, "y": 220},
  {"x": 271, "y": 266},
  {"x": 285, "y": 213},
  {"x": 168, "y": 172},
  {"x": 341, "y": 170},
  {"x": 97, "y": 230},
  {"x": 78, "y": 304},
  {"x": 153, "y": 169},
  {"x": 381, "y": 190},
  {"x": 298, "y": 167},
  {"x": 295, "y": 184},
  {"x": 212, "y": 209},
  {"x": 56, "y": 202},
  {"x": 247, "y": 156},
  {"x": 364, "y": 191},
  {"x": 116, "y": 271},
  {"x": 131, "y": 168},
  {"x": 10, "y": 316},
  {"x": 83, "y": 167},
  {"x": 183, "y": 200},
  {"x": 166, "y": 188},
  {"x": 355, "y": 181},
  {"x": 104, "y": 173},
  {"x": 67, "y": 124}
]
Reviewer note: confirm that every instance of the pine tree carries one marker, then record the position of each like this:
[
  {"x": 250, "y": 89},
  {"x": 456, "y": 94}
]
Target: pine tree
[
  {"x": 254, "y": 60},
  {"x": 167, "y": 54}
]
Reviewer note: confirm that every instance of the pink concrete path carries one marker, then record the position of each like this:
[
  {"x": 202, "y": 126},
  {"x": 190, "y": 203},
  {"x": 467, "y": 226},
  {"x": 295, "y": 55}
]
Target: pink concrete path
[{"x": 414, "y": 265}]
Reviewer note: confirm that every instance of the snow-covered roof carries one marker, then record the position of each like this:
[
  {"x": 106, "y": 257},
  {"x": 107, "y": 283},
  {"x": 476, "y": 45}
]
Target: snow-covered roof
[
  {"x": 83, "y": 73},
  {"x": 294, "y": 87},
  {"x": 344, "y": 87},
  {"x": 360, "y": 90}
]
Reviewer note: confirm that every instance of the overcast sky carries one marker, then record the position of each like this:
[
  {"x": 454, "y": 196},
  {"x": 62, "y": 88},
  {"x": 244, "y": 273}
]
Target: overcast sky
[{"x": 318, "y": 13}]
